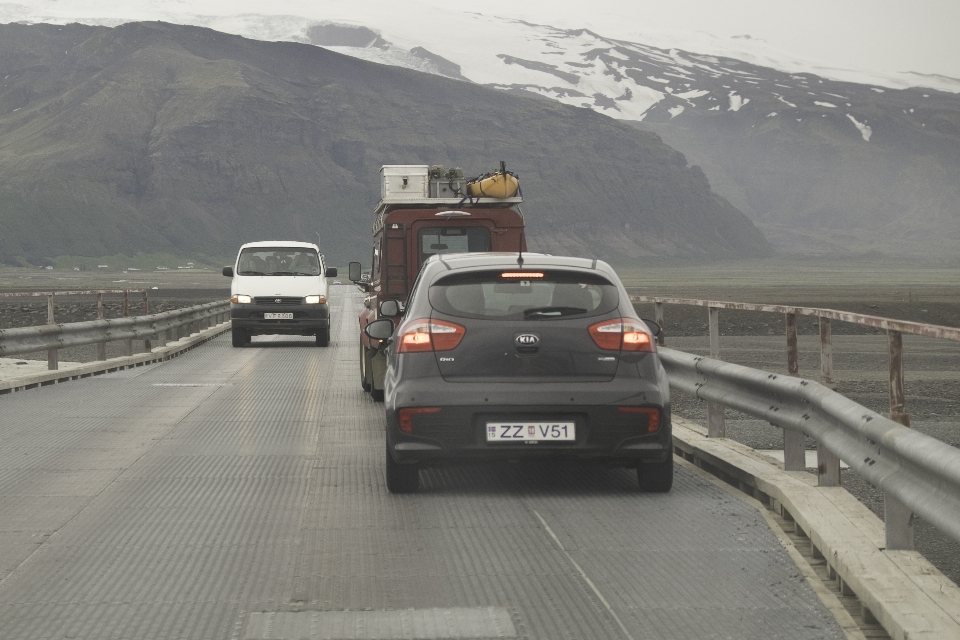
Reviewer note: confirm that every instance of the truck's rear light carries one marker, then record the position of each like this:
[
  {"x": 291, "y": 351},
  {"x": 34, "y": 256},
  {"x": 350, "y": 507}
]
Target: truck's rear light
[
  {"x": 621, "y": 334},
  {"x": 652, "y": 414},
  {"x": 430, "y": 335},
  {"x": 405, "y": 416}
]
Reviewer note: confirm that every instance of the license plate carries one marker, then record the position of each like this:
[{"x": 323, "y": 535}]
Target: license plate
[
  {"x": 278, "y": 316},
  {"x": 527, "y": 431}
]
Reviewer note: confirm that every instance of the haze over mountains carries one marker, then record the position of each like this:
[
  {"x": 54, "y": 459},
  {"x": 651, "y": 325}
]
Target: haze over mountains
[{"x": 158, "y": 137}]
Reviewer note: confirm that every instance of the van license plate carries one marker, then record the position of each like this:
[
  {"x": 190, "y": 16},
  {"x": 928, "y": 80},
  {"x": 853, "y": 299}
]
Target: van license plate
[
  {"x": 522, "y": 431},
  {"x": 278, "y": 316}
]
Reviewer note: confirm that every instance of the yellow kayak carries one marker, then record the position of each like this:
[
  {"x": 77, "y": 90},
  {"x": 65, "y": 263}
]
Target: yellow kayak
[{"x": 499, "y": 185}]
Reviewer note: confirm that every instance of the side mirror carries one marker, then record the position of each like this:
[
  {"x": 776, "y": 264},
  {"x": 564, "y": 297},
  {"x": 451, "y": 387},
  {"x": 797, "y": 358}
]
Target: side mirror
[
  {"x": 331, "y": 272},
  {"x": 379, "y": 329},
  {"x": 390, "y": 309},
  {"x": 655, "y": 328},
  {"x": 354, "y": 272},
  {"x": 228, "y": 271}
]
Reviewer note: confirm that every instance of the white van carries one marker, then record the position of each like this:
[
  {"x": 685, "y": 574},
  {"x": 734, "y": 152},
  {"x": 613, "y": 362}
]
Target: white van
[{"x": 279, "y": 287}]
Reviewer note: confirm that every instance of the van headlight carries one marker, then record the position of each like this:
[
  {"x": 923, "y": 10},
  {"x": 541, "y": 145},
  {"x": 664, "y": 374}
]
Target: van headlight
[
  {"x": 315, "y": 300},
  {"x": 239, "y": 298}
]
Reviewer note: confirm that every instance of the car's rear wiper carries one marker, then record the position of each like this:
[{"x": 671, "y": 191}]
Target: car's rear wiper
[
  {"x": 251, "y": 273},
  {"x": 541, "y": 312}
]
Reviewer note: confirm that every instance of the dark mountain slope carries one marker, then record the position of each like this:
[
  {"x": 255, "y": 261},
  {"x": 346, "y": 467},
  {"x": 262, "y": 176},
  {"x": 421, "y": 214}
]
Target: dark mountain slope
[{"x": 157, "y": 137}]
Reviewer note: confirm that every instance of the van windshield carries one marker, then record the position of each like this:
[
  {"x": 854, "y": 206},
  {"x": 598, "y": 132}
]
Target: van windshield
[{"x": 278, "y": 261}]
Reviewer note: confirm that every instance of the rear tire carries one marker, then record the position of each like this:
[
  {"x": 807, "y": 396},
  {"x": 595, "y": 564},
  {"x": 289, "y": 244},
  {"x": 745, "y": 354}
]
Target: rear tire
[
  {"x": 376, "y": 394},
  {"x": 323, "y": 337},
  {"x": 401, "y": 478},
  {"x": 656, "y": 477},
  {"x": 239, "y": 337}
]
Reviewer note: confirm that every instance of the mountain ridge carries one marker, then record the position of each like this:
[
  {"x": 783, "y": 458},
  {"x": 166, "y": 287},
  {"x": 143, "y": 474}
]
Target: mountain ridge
[{"x": 158, "y": 137}]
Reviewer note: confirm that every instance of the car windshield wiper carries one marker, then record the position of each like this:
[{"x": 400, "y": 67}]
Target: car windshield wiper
[
  {"x": 288, "y": 273},
  {"x": 251, "y": 273},
  {"x": 546, "y": 312}
]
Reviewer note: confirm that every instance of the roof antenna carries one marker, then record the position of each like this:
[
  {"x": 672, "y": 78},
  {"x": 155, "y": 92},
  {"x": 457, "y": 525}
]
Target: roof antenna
[{"x": 520, "y": 253}]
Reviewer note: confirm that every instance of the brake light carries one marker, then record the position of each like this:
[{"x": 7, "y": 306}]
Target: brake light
[
  {"x": 429, "y": 335},
  {"x": 622, "y": 334},
  {"x": 652, "y": 413},
  {"x": 405, "y": 416},
  {"x": 526, "y": 275}
]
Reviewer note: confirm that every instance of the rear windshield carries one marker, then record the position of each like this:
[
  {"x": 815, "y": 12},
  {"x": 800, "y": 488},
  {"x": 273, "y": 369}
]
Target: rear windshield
[
  {"x": 278, "y": 261},
  {"x": 558, "y": 294}
]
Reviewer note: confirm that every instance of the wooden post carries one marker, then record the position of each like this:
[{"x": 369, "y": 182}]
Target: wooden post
[
  {"x": 793, "y": 361},
  {"x": 897, "y": 400},
  {"x": 828, "y": 468},
  {"x": 127, "y": 344},
  {"x": 658, "y": 318},
  {"x": 53, "y": 357},
  {"x": 794, "y": 452},
  {"x": 826, "y": 352},
  {"x": 101, "y": 346},
  {"x": 716, "y": 422},
  {"x": 147, "y": 347}
]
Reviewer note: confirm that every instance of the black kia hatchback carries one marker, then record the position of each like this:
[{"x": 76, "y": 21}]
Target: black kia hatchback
[{"x": 510, "y": 357}]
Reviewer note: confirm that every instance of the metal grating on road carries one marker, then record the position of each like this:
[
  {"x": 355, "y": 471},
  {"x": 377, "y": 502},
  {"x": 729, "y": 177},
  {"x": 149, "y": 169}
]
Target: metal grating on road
[
  {"x": 409, "y": 624},
  {"x": 255, "y": 495}
]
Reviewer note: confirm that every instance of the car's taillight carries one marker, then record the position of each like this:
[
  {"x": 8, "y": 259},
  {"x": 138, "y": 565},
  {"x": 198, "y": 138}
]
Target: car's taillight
[
  {"x": 652, "y": 414},
  {"x": 405, "y": 416},
  {"x": 429, "y": 335},
  {"x": 621, "y": 335}
]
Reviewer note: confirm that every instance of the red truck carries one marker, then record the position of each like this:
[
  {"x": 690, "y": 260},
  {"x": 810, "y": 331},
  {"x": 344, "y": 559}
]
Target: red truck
[{"x": 424, "y": 212}]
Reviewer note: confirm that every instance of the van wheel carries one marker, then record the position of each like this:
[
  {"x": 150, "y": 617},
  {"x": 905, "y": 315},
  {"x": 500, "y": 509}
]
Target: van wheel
[
  {"x": 402, "y": 478},
  {"x": 323, "y": 337},
  {"x": 656, "y": 477},
  {"x": 238, "y": 337},
  {"x": 364, "y": 369}
]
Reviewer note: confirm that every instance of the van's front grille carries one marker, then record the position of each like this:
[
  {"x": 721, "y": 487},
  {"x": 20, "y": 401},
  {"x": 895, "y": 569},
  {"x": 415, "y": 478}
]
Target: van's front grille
[{"x": 277, "y": 300}]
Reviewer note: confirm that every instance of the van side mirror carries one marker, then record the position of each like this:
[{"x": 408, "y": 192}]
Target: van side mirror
[
  {"x": 390, "y": 309},
  {"x": 228, "y": 271},
  {"x": 331, "y": 272},
  {"x": 379, "y": 329},
  {"x": 354, "y": 272}
]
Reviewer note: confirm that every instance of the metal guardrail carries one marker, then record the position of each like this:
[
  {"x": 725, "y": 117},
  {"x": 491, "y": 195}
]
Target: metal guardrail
[
  {"x": 917, "y": 474},
  {"x": 169, "y": 325},
  {"x": 894, "y": 328}
]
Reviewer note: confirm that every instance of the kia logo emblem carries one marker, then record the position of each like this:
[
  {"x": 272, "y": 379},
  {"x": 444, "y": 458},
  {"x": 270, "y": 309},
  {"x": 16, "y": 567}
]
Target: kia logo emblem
[
  {"x": 527, "y": 340},
  {"x": 278, "y": 300}
]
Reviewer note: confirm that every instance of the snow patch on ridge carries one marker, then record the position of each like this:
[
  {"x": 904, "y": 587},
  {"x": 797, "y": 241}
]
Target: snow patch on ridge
[{"x": 865, "y": 130}]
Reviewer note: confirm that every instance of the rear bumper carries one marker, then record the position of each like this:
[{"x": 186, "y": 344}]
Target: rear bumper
[
  {"x": 307, "y": 319},
  {"x": 458, "y": 432}
]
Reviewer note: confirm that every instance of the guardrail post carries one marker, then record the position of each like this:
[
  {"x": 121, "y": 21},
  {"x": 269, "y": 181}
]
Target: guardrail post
[
  {"x": 127, "y": 344},
  {"x": 897, "y": 399},
  {"x": 898, "y": 522},
  {"x": 826, "y": 352},
  {"x": 658, "y": 318},
  {"x": 101, "y": 346},
  {"x": 53, "y": 356},
  {"x": 716, "y": 423},
  {"x": 147, "y": 347}
]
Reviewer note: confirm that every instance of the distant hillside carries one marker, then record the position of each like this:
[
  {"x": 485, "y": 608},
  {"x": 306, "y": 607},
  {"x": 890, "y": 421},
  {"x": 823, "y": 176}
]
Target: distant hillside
[{"x": 160, "y": 138}]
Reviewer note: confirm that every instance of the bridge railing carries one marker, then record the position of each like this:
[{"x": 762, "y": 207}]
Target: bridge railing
[
  {"x": 917, "y": 474},
  {"x": 168, "y": 325}
]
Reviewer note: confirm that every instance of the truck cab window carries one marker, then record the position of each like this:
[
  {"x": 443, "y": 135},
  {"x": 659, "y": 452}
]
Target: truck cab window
[{"x": 443, "y": 240}]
